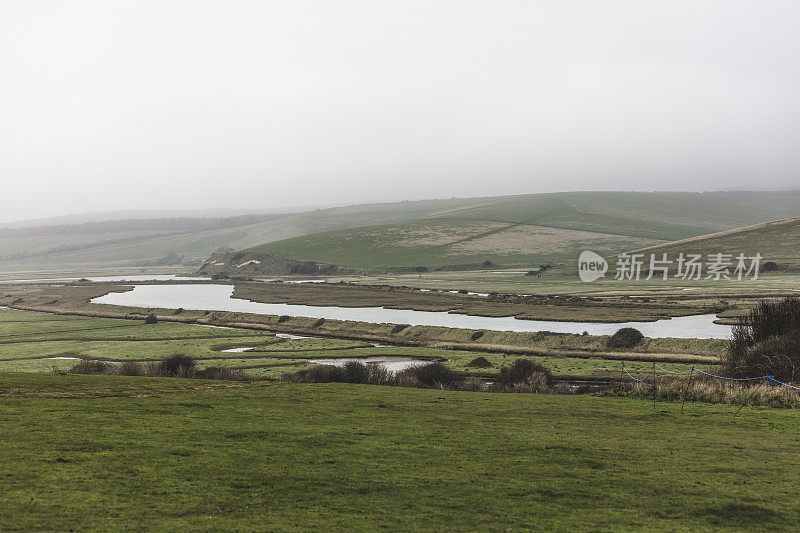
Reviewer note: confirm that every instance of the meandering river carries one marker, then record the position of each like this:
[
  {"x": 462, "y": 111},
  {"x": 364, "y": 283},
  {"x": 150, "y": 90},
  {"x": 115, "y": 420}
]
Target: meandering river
[{"x": 216, "y": 297}]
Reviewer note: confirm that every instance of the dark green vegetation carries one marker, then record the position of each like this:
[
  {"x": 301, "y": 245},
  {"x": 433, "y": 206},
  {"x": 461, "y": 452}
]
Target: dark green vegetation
[
  {"x": 767, "y": 342},
  {"x": 533, "y": 229},
  {"x": 167, "y": 454},
  {"x": 625, "y": 338}
]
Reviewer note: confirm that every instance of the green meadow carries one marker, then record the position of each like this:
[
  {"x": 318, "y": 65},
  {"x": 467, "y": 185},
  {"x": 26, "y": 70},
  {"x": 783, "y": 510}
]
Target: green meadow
[{"x": 110, "y": 452}]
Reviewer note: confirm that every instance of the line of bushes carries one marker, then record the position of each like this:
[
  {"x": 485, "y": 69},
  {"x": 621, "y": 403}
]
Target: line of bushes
[
  {"x": 521, "y": 376},
  {"x": 174, "y": 366}
]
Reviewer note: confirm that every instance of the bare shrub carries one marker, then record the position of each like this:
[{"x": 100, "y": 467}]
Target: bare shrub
[
  {"x": 523, "y": 371},
  {"x": 379, "y": 375},
  {"x": 130, "y": 368},
  {"x": 151, "y": 319},
  {"x": 472, "y": 384},
  {"x": 767, "y": 341},
  {"x": 178, "y": 366},
  {"x": 221, "y": 372},
  {"x": 355, "y": 372},
  {"x": 90, "y": 367}
]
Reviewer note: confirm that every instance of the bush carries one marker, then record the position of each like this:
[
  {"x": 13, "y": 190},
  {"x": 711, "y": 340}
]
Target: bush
[
  {"x": 355, "y": 372},
  {"x": 90, "y": 367},
  {"x": 475, "y": 336},
  {"x": 471, "y": 384},
  {"x": 770, "y": 266},
  {"x": 523, "y": 371},
  {"x": 399, "y": 327},
  {"x": 319, "y": 322},
  {"x": 625, "y": 338},
  {"x": 130, "y": 368},
  {"x": 767, "y": 341},
  {"x": 433, "y": 375},
  {"x": 177, "y": 366},
  {"x": 283, "y": 318},
  {"x": 480, "y": 362},
  {"x": 151, "y": 319},
  {"x": 221, "y": 372}
]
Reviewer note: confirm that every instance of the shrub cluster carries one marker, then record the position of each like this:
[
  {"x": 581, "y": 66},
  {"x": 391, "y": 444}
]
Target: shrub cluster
[
  {"x": 520, "y": 376},
  {"x": 767, "y": 341},
  {"x": 524, "y": 376},
  {"x": 174, "y": 366}
]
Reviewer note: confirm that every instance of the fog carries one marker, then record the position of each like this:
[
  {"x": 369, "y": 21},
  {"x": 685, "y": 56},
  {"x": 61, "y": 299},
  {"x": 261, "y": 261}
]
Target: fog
[{"x": 197, "y": 104}]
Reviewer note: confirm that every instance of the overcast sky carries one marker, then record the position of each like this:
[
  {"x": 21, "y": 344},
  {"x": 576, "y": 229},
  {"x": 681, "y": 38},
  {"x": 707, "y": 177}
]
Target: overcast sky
[{"x": 140, "y": 104}]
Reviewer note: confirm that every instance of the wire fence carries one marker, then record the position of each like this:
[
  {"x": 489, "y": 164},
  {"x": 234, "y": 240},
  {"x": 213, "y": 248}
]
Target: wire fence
[{"x": 767, "y": 378}]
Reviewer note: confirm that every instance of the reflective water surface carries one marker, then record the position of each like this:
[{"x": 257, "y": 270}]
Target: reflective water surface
[{"x": 216, "y": 297}]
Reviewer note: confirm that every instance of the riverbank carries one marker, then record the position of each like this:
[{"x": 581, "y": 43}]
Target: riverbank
[{"x": 74, "y": 299}]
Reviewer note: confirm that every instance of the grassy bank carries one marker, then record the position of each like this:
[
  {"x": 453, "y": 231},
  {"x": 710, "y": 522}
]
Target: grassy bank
[
  {"x": 73, "y": 299},
  {"x": 36, "y": 342},
  {"x": 184, "y": 454}
]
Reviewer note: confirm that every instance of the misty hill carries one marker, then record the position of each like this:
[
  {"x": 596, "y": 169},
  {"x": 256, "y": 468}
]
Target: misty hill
[
  {"x": 187, "y": 241},
  {"x": 777, "y": 241},
  {"x": 533, "y": 229},
  {"x": 140, "y": 214}
]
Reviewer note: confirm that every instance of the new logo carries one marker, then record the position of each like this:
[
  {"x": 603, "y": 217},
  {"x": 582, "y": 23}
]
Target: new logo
[{"x": 591, "y": 266}]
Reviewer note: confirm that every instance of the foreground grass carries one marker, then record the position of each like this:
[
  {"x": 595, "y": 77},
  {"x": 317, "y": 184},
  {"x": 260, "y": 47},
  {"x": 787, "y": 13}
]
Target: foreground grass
[{"x": 105, "y": 452}]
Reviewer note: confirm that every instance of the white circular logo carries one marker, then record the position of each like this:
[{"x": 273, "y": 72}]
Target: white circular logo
[{"x": 591, "y": 266}]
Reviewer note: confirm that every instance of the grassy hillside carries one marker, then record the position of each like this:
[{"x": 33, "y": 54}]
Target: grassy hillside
[
  {"x": 534, "y": 229},
  {"x": 777, "y": 241},
  {"x": 80, "y": 248},
  {"x": 172, "y": 454}
]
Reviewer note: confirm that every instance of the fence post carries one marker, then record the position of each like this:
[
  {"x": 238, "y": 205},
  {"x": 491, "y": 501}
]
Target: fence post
[
  {"x": 686, "y": 389},
  {"x": 748, "y": 398},
  {"x": 654, "y": 385}
]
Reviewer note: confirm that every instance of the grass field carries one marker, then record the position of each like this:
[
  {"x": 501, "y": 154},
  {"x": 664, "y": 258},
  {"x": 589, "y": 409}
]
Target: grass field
[
  {"x": 108, "y": 452},
  {"x": 776, "y": 241},
  {"x": 41, "y": 342},
  {"x": 530, "y": 230}
]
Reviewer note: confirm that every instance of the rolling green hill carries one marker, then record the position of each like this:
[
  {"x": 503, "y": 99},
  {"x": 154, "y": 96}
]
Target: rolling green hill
[
  {"x": 123, "y": 244},
  {"x": 777, "y": 241},
  {"x": 532, "y": 229}
]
